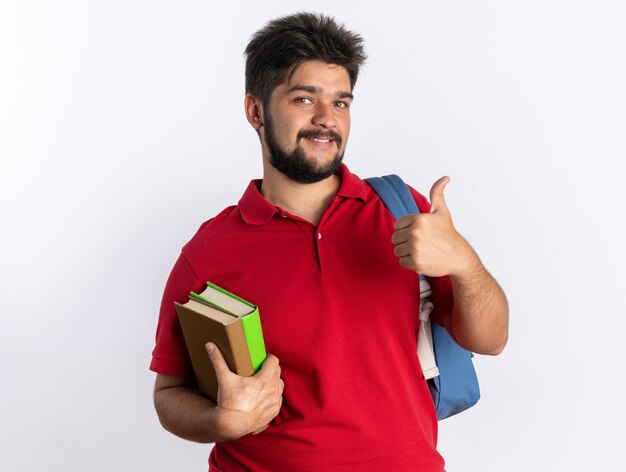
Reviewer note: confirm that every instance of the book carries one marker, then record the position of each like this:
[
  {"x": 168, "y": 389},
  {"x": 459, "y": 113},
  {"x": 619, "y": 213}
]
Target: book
[{"x": 232, "y": 324}]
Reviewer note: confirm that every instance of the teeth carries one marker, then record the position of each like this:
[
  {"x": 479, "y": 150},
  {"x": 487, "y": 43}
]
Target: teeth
[{"x": 321, "y": 140}]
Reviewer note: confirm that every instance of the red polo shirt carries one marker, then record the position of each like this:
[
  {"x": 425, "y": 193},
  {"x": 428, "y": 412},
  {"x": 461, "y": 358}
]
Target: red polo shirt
[{"x": 341, "y": 315}]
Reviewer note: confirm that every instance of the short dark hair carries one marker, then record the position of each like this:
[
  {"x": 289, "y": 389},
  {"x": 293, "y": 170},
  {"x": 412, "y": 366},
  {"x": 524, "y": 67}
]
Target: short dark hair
[{"x": 287, "y": 42}]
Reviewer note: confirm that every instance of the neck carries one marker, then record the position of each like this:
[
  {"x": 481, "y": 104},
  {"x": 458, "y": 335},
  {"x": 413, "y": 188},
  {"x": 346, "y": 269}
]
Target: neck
[{"x": 308, "y": 201}]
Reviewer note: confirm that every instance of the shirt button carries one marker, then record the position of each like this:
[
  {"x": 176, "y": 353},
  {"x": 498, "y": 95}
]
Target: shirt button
[{"x": 319, "y": 235}]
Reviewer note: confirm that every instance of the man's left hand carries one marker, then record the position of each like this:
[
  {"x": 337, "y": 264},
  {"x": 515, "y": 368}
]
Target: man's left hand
[{"x": 429, "y": 244}]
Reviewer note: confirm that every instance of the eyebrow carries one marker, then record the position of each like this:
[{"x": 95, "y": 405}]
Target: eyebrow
[{"x": 317, "y": 90}]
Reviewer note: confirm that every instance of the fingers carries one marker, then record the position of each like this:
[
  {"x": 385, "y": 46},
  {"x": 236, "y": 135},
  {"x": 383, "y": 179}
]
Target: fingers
[
  {"x": 437, "y": 200},
  {"x": 218, "y": 361},
  {"x": 269, "y": 376},
  {"x": 260, "y": 430},
  {"x": 399, "y": 237},
  {"x": 407, "y": 263},
  {"x": 270, "y": 365},
  {"x": 270, "y": 371},
  {"x": 405, "y": 227},
  {"x": 403, "y": 222},
  {"x": 276, "y": 407},
  {"x": 402, "y": 250}
]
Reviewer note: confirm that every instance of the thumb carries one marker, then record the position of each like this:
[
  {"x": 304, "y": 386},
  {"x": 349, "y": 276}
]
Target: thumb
[
  {"x": 437, "y": 200},
  {"x": 218, "y": 361}
]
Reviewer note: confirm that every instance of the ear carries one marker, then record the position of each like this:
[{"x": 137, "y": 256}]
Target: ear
[{"x": 254, "y": 111}]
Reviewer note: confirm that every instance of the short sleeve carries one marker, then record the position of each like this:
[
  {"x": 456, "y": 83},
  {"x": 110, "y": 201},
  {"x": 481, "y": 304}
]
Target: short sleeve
[{"x": 170, "y": 355}]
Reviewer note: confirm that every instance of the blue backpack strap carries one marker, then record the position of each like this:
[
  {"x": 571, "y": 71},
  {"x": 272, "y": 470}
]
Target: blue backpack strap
[{"x": 395, "y": 195}]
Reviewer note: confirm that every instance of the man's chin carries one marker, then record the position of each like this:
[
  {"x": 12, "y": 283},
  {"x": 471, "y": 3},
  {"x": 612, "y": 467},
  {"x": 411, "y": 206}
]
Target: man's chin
[{"x": 307, "y": 172}]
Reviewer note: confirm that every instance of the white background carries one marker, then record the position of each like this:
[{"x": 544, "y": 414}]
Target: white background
[{"x": 122, "y": 129}]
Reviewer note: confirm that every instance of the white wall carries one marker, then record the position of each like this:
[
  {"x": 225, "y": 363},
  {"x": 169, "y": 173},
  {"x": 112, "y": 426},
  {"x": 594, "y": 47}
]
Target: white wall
[{"x": 122, "y": 129}]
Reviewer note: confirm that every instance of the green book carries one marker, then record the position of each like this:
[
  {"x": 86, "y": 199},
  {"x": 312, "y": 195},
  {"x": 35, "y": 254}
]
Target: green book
[{"x": 231, "y": 323}]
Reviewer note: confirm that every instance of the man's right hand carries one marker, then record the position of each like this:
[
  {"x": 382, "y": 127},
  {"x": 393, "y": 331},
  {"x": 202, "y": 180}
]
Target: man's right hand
[{"x": 246, "y": 404}]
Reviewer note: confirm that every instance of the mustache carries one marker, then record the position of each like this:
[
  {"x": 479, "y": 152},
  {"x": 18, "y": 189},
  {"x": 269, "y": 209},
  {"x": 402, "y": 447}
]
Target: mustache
[{"x": 319, "y": 134}]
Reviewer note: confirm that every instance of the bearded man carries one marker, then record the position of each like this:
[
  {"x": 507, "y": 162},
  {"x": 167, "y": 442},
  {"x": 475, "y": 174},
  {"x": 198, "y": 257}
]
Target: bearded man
[{"x": 335, "y": 279}]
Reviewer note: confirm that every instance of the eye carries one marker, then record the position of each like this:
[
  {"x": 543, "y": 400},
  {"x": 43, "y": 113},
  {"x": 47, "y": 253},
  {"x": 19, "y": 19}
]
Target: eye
[
  {"x": 342, "y": 104},
  {"x": 303, "y": 100}
]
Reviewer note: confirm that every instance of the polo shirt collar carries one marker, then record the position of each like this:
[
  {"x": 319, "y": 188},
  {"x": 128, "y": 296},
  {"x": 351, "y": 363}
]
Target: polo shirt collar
[
  {"x": 351, "y": 185},
  {"x": 256, "y": 210}
]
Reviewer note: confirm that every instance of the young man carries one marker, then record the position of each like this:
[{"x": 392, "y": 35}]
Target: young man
[{"x": 335, "y": 279}]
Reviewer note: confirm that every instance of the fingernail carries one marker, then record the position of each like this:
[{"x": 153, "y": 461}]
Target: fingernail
[{"x": 210, "y": 347}]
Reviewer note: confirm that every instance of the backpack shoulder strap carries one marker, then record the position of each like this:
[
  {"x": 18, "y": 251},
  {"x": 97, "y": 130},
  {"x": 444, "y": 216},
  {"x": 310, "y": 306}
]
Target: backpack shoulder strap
[
  {"x": 399, "y": 201},
  {"x": 395, "y": 194}
]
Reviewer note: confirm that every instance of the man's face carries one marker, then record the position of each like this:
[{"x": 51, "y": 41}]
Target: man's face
[{"x": 306, "y": 122}]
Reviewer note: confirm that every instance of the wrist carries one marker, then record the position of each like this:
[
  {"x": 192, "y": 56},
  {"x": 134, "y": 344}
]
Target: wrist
[
  {"x": 469, "y": 265},
  {"x": 229, "y": 424}
]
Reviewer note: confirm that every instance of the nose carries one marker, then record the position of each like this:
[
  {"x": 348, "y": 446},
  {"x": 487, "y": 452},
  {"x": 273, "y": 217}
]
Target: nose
[{"x": 324, "y": 115}]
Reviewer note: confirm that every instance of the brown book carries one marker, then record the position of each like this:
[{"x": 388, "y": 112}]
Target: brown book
[{"x": 228, "y": 329}]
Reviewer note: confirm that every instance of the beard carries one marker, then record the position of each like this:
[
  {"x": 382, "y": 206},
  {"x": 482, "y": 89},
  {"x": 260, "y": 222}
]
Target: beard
[{"x": 296, "y": 165}]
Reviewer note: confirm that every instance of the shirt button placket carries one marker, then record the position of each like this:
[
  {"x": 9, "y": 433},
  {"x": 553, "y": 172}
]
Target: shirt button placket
[{"x": 318, "y": 238}]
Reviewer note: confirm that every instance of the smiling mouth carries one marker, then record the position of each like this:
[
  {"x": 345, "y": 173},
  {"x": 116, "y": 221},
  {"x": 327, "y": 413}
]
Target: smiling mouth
[
  {"x": 324, "y": 139},
  {"x": 325, "y": 144}
]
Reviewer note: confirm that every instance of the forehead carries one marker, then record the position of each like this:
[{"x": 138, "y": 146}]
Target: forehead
[{"x": 329, "y": 78}]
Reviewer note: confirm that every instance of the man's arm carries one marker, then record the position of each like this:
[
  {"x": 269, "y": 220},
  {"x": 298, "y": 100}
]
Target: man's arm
[
  {"x": 244, "y": 404},
  {"x": 429, "y": 244},
  {"x": 183, "y": 411},
  {"x": 480, "y": 318}
]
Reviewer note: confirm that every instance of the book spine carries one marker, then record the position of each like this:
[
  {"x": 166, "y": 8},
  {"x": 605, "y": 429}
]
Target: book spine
[
  {"x": 254, "y": 338},
  {"x": 242, "y": 364}
]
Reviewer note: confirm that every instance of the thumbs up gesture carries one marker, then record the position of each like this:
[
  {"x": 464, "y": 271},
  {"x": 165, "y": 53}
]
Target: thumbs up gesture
[{"x": 428, "y": 243}]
